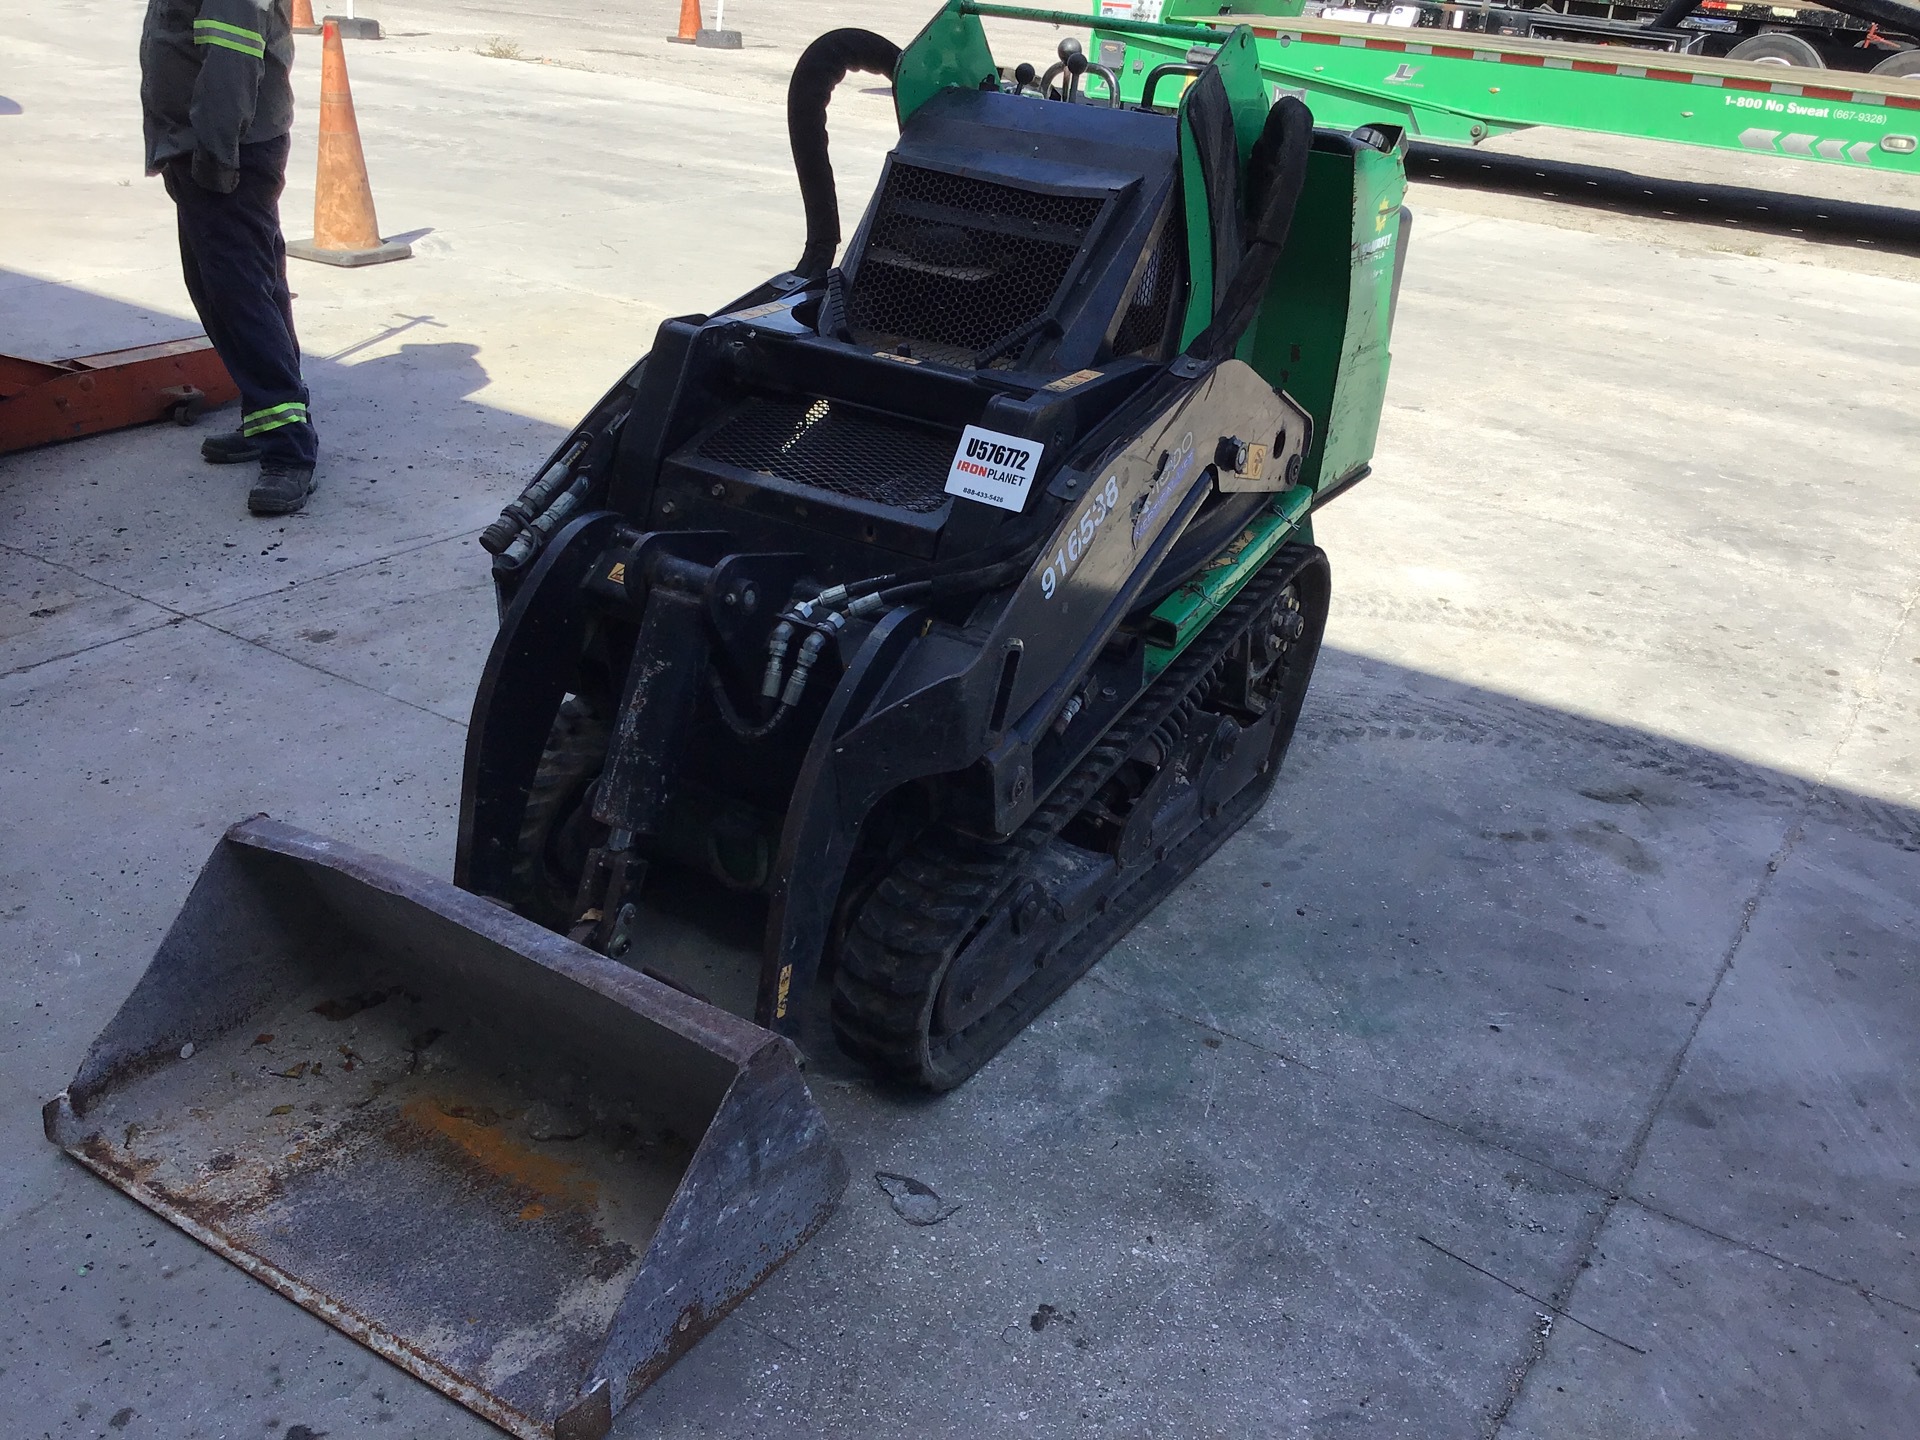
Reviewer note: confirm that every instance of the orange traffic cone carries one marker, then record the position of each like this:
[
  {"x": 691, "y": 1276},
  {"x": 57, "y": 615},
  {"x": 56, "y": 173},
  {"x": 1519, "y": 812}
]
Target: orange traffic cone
[
  {"x": 689, "y": 23},
  {"x": 344, "y": 229},
  {"x": 303, "y": 18}
]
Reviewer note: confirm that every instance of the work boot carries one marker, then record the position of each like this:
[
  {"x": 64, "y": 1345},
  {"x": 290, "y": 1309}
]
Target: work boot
[
  {"x": 282, "y": 488},
  {"x": 232, "y": 448}
]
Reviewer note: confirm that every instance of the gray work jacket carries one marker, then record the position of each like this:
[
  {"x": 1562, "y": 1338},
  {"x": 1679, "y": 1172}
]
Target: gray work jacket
[{"x": 213, "y": 77}]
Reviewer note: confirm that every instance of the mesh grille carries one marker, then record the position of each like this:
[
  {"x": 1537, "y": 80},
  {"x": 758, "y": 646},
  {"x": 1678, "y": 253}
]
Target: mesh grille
[
  {"x": 1162, "y": 283},
  {"x": 829, "y": 446},
  {"x": 961, "y": 264}
]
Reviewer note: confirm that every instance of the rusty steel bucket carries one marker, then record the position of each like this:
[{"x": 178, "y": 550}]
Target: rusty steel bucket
[{"x": 527, "y": 1174}]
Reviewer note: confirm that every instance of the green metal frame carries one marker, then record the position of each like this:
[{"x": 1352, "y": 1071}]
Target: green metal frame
[
  {"x": 952, "y": 51},
  {"x": 1190, "y": 609},
  {"x": 1322, "y": 331},
  {"x": 1443, "y": 85}
]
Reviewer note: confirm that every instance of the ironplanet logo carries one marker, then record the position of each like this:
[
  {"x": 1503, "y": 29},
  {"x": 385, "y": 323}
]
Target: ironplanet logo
[{"x": 993, "y": 468}]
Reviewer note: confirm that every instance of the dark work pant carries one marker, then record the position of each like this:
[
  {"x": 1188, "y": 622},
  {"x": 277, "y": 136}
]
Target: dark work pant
[{"x": 234, "y": 259}]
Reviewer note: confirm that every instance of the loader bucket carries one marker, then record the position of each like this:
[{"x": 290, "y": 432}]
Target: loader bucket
[{"x": 527, "y": 1174}]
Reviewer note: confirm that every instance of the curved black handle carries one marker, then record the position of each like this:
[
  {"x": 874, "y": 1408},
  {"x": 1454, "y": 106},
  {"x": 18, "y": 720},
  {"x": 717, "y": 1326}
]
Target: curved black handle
[
  {"x": 822, "y": 66},
  {"x": 1159, "y": 73},
  {"x": 1276, "y": 174}
]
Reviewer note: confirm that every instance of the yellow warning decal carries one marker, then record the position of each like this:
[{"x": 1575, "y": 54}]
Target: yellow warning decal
[
  {"x": 780, "y": 996},
  {"x": 903, "y": 359},
  {"x": 618, "y": 574},
  {"x": 759, "y": 311},
  {"x": 1073, "y": 381}
]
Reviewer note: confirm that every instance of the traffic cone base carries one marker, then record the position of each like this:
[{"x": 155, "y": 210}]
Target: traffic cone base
[
  {"x": 717, "y": 39},
  {"x": 373, "y": 255},
  {"x": 345, "y": 231},
  {"x": 690, "y": 24}
]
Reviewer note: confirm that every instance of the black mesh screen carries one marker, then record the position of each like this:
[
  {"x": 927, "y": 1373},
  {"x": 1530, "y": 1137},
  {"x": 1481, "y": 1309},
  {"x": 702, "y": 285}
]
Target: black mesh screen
[
  {"x": 830, "y": 446},
  {"x": 1163, "y": 284},
  {"x": 959, "y": 265}
]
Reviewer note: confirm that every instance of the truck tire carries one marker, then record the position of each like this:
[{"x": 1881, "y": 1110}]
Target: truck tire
[
  {"x": 1774, "y": 47},
  {"x": 1901, "y": 64}
]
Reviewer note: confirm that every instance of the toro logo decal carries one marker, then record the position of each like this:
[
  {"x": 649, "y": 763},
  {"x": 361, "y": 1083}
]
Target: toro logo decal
[
  {"x": 994, "y": 469},
  {"x": 1174, "y": 467}
]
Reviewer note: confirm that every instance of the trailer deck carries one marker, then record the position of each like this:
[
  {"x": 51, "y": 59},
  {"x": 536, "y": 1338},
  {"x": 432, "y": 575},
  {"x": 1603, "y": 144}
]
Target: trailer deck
[{"x": 1471, "y": 90}]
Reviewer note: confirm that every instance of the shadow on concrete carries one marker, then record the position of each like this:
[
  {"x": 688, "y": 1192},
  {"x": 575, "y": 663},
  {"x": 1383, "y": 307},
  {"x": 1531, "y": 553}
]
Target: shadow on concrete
[
  {"x": 1599, "y": 187},
  {"x": 421, "y": 375},
  {"x": 1388, "y": 702},
  {"x": 45, "y": 320},
  {"x": 426, "y": 373}
]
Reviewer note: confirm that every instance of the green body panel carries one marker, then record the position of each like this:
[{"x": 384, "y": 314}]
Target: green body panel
[
  {"x": 1191, "y": 608},
  {"x": 1401, "y": 77},
  {"x": 1321, "y": 335},
  {"x": 1322, "y": 332},
  {"x": 952, "y": 50},
  {"x": 1186, "y": 30},
  {"x": 1199, "y": 12}
]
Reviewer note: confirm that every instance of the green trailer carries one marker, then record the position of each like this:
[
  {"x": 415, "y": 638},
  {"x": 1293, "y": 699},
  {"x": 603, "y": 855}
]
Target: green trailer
[{"x": 1464, "y": 89}]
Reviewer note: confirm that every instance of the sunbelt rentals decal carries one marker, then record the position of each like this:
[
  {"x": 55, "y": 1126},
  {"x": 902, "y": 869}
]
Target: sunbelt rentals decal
[{"x": 994, "y": 469}]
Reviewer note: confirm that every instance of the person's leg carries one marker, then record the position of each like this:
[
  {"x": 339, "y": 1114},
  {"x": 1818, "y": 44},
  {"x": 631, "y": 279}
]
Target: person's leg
[
  {"x": 239, "y": 251},
  {"x": 190, "y": 204},
  {"x": 272, "y": 170},
  {"x": 285, "y": 294},
  {"x": 281, "y": 425}
]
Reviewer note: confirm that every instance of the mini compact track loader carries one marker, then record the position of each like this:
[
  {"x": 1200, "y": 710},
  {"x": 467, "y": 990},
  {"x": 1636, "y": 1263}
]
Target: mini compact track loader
[{"x": 876, "y": 653}]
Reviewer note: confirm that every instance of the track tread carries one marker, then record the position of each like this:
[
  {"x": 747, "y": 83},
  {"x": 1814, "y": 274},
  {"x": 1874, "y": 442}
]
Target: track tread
[
  {"x": 897, "y": 949},
  {"x": 575, "y": 752}
]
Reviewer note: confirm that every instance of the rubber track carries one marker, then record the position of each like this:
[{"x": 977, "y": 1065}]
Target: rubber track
[
  {"x": 898, "y": 946},
  {"x": 576, "y": 751}
]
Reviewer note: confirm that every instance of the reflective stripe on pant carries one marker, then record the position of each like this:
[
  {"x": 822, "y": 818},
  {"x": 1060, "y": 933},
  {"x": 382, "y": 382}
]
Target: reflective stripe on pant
[
  {"x": 234, "y": 260},
  {"x": 258, "y": 422}
]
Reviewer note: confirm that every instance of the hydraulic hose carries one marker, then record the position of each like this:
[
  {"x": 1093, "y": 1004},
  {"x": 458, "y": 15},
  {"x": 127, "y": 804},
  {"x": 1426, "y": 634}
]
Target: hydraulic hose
[
  {"x": 826, "y": 613},
  {"x": 1276, "y": 174},
  {"x": 822, "y": 66}
]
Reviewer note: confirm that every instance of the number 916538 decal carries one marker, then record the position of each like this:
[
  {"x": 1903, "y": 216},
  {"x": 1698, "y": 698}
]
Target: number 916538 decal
[{"x": 1094, "y": 514}]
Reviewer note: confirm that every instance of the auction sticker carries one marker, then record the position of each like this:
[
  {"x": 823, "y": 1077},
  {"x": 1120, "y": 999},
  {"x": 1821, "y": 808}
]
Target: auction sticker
[{"x": 994, "y": 469}]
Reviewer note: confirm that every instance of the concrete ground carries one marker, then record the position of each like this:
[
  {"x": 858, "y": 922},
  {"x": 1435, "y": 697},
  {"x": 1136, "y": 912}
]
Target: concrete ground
[{"x": 1541, "y": 1063}]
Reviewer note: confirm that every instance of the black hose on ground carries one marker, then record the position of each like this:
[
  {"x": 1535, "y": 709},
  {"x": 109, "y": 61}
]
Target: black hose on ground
[{"x": 822, "y": 66}]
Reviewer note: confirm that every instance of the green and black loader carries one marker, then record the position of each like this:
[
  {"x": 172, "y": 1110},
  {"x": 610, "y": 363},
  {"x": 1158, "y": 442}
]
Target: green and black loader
[{"x": 880, "y": 649}]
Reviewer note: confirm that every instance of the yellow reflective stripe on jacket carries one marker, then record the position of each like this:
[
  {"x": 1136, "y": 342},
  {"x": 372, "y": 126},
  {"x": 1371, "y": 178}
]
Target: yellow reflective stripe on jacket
[
  {"x": 229, "y": 37},
  {"x": 255, "y": 52},
  {"x": 258, "y": 422}
]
